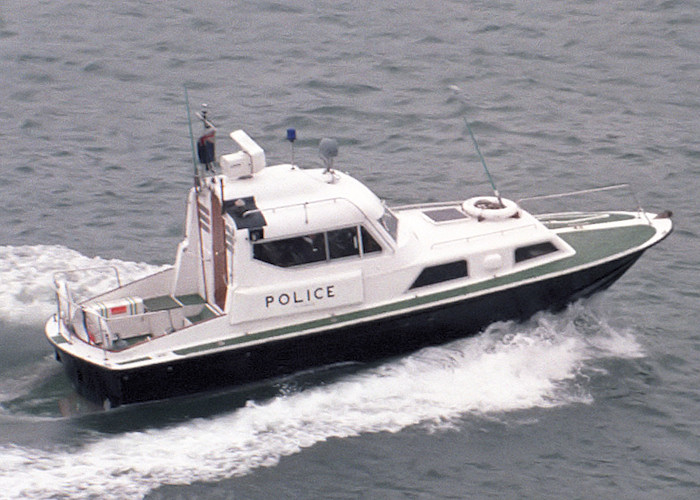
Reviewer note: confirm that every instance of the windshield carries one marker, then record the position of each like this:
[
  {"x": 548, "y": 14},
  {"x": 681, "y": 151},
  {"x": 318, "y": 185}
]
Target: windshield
[{"x": 390, "y": 223}]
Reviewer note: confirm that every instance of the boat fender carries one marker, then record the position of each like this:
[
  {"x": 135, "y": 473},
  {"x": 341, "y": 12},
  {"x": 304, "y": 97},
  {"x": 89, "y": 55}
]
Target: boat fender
[{"x": 488, "y": 208}]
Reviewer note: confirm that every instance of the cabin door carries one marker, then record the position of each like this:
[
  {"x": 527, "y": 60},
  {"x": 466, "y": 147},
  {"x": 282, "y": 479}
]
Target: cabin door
[{"x": 218, "y": 246}]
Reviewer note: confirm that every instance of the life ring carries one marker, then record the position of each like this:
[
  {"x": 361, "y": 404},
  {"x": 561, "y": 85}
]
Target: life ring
[{"x": 488, "y": 208}]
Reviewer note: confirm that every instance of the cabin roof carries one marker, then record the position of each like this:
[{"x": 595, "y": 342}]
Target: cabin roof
[{"x": 297, "y": 201}]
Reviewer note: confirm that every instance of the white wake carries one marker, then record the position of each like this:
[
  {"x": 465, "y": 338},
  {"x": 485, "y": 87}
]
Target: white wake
[
  {"x": 26, "y": 274},
  {"x": 510, "y": 367}
]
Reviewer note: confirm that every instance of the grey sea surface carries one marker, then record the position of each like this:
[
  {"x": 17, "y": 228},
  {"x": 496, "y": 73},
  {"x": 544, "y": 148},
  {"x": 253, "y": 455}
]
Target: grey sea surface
[{"x": 599, "y": 401}]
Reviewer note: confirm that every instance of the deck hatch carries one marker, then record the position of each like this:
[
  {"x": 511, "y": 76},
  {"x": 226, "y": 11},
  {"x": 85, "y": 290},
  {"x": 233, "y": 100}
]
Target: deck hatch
[
  {"x": 442, "y": 272},
  {"x": 445, "y": 214}
]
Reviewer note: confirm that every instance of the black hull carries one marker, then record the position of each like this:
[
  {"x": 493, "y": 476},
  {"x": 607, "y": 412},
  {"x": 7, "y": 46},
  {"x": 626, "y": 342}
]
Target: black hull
[{"x": 369, "y": 341}]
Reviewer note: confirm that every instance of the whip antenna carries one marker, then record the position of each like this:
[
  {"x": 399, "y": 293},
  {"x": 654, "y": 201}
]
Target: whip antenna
[{"x": 458, "y": 91}]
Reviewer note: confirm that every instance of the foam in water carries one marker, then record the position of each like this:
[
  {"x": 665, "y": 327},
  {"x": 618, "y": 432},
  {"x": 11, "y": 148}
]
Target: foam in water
[
  {"x": 22, "y": 381},
  {"x": 26, "y": 274},
  {"x": 510, "y": 367}
]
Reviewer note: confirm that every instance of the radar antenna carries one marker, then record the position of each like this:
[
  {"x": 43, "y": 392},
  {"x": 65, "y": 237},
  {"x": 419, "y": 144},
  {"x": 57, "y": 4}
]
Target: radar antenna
[{"x": 328, "y": 149}]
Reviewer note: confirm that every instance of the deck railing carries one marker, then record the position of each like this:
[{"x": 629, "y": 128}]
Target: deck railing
[
  {"x": 568, "y": 196},
  {"x": 577, "y": 203},
  {"x": 114, "y": 333},
  {"x": 73, "y": 315},
  {"x": 469, "y": 239},
  {"x": 305, "y": 206}
]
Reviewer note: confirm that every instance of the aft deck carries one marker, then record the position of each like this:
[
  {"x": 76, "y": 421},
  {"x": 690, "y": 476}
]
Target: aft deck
[{"x": 189, "y": 302}]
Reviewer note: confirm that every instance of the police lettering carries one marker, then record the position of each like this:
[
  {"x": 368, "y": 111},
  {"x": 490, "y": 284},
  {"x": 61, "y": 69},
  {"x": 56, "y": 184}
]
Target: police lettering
[{"x": 307, "y": 296}]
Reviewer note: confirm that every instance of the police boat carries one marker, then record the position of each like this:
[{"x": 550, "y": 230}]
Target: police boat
[{"x": 284, "y": 268}]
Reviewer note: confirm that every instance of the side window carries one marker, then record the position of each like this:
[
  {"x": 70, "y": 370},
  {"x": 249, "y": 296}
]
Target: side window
[
  {"x": 292, "y": 251},
  {"x": 369, "y": 244},
  {"x": 316, "y": 247},
  {"x": 532, "y": 251},
  {"x": 343, "y": 243},
  {"x": 442, "y": 272}
]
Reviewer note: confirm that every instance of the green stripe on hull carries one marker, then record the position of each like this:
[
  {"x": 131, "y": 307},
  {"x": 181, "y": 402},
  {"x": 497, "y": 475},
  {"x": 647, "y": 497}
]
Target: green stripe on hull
[{"x": 590, "y": 246}]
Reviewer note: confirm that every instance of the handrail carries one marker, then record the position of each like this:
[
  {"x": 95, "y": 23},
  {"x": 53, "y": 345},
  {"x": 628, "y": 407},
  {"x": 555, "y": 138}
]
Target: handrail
[
  {"x": 477, "y": 236},
  {"x": 612, "y": 187},
  {"x": 84, "y": 269},
  {"x": 582, "y": 217},
  {"x": 529, "y": 198},
  {"x": 105, "y": 331},
  {"x": 71, "y": 306},
  {"x": 573, "y": 193},
  {"x": 434, "y": 204},
  {"x": 103, "y": 338},
  {"x": 105, "y": 334},
  {"x": 304, "y": 205},
  {"x": 78, "y": 318}
]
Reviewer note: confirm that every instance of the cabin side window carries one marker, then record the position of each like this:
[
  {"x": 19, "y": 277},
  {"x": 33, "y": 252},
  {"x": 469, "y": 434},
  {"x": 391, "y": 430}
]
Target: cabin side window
[
  {"x": 292, "y": 251},
  {"x": 343, "y": 243},
  {"x": 532, "y": 251},
  {"x": 369, "y": 244},
  {"x": 316, "y": 247},
  {"x": 442, "y": 272}
]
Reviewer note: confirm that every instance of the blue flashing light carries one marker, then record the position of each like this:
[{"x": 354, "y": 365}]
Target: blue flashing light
[{"x": 291, "y": 135}]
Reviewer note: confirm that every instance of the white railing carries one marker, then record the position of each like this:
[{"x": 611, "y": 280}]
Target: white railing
[
  {"x": 75, "y": 318},
  {"x": 65, "y": 302},
  {"x": 467, "y": 239},
  {"x": 87, "y": 269},
  {"x": 90, "y": 326},
  {"x": 587, "y": 203},
  {"x": 305, "y": 206},
  {"x": 434, "y": 204}
]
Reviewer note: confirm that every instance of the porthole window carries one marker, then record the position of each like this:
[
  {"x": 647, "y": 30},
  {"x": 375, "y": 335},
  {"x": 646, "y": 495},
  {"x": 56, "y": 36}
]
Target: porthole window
[
  {"x": 532, "y": 251},
  {"x": 440, "y": 273}
]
